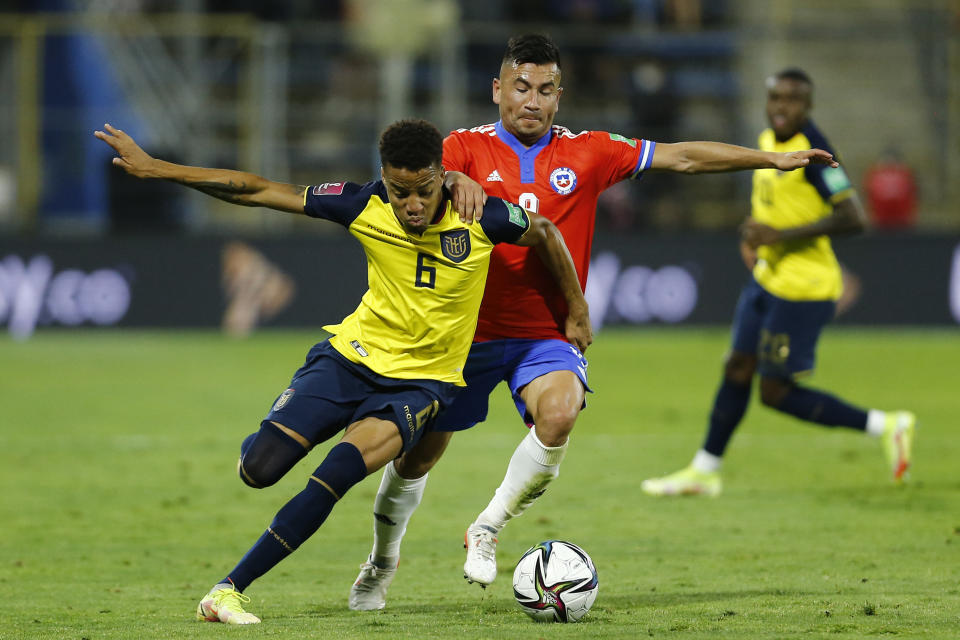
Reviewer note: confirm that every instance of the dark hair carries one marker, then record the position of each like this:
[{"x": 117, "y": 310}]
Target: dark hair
[
  {"x": 532, "y": 47},
  {"x": 793, "y": 73},
  {"x": 412, "y": 144}
]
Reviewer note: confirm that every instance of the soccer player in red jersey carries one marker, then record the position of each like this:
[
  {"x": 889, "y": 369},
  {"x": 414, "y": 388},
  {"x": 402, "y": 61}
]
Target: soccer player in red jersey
[{"x": 521, "y": 335}]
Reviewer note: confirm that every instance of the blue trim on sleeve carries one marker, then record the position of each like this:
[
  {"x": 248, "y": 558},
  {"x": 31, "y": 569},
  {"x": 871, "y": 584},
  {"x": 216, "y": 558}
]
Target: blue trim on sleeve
[
  {"x": 816, "y": 173},
  {"x": 526, "y": 157},
  {"x": 343, "y": 207},
  {"x": 498, "y": 224},
  {"x": 647, "y": 148}
]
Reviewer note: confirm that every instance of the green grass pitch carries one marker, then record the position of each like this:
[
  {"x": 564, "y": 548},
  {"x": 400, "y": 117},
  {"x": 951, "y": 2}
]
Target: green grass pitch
[{"x": 121, "y": 505}]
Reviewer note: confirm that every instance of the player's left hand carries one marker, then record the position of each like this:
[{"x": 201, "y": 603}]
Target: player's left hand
[
  {"x": 578, "y": 329},
  {"x": 753, "y": 233},
  {"x": 468, "y": 196},
  {"x": 798, "y": 159}
]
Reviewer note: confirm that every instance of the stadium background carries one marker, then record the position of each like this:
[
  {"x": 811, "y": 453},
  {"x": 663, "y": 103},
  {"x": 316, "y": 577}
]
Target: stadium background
[
  {"x": 124, "y": 393},
  {"x": 298, "y": 92}
]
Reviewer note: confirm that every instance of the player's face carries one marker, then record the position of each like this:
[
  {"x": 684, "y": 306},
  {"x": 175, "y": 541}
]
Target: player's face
[
  {"x": 788, "y": 105},
  {"x": 414, "y": 195},
  {"x": 529, "y": 96}
]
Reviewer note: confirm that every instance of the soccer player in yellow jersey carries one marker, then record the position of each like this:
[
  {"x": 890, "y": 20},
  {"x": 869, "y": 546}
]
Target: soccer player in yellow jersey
[
  {"x": 792, "y": 295},
  {"x": 396, "y": 361}
]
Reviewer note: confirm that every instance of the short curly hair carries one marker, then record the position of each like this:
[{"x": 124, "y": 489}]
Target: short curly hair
[{"x": 411, "y": 144}]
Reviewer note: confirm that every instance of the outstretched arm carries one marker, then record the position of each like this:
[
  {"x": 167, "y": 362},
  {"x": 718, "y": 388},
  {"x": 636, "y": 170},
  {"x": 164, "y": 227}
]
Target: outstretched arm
[
  {"x": 847, "y": 218},
  {"x": 238, "y": 187},
  {"x": 548, "y": 241},
  {"x": 713, "y": 157}
]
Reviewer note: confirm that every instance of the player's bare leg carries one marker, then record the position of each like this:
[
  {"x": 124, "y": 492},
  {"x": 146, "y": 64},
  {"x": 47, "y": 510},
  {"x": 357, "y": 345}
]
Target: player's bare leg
[
  {"x": 554, "y": 400},
  {"x": 400, "y": 492}
]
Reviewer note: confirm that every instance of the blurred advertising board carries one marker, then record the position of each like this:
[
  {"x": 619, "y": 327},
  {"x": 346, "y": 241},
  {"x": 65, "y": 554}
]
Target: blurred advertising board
[{"x": 170, "y": 281}]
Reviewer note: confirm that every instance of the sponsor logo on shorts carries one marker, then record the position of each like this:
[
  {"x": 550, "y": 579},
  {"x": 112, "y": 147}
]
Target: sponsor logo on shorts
[
  {"x": 356, "y": 345},
  {"x": 283, "y": 399},
  {"x": 329, "y": 189},
  {"x": 455, "y": 245},
  {"x": 563, "y": 180},
  {"x": 411, "y": 427}
]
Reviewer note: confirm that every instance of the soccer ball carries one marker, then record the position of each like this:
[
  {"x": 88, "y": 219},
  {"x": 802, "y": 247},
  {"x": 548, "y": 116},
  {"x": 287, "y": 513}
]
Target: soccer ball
[{"x": 555, "y": 581}]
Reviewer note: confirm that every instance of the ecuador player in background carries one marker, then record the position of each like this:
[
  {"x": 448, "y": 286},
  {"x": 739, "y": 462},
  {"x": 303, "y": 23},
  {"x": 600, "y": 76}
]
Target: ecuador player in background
[
  {"x": 790, "y": 298},
  {"x": 396, "y": 361},
  {"x": 547, "y": 168}
]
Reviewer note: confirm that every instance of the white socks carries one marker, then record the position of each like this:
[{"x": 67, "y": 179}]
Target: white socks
[
  {"x": 396, "y": 501},
  {"x": 876, "y": 422},
  {"x": 532, "y": 467},
  {"x": 706, "y": 462}
]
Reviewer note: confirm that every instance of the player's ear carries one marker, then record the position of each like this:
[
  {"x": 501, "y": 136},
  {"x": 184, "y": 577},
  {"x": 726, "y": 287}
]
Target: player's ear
[{"x": 496, "y": 91}]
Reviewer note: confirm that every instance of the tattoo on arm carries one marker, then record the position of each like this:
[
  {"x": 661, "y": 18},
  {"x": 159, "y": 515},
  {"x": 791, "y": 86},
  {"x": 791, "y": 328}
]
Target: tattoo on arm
[{"x": 231, "y": 191}]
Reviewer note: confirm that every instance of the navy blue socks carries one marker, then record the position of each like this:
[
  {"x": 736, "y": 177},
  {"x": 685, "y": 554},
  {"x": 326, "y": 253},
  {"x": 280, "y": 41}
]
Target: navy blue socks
[
  {"x": 822, "y": 408},
  {"x": 729, "y": 406},
  {"x": 302, "y": 515}
]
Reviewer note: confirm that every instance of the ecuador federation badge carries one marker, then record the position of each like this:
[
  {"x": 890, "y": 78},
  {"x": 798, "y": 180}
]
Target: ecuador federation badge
[{"x": 455, "y": 245}]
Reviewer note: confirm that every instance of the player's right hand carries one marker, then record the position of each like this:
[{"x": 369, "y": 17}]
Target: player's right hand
[
  {"x": 797, "y": 159},
  {"x": 578, "y": 329},
  {"x": 468, "y": 196},
  {"x": 130, "y": 157}
]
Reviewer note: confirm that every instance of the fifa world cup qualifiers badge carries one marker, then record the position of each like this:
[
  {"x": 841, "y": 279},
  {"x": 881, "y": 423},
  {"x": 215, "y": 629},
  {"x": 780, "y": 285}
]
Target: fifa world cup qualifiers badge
[{"x": 283, "y": 399}]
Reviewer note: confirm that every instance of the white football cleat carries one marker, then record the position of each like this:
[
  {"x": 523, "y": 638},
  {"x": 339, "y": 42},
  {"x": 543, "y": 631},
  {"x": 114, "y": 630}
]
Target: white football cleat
[
  {"x": 369, "y": 592},
  {"x": 481, "y": 544}
]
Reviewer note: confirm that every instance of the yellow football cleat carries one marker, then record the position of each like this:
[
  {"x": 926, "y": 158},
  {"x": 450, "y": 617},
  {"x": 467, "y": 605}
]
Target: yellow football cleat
[
  {"x": 898, "y": 442},
  {"x": 686, "y": 482},
  {"x": 225, "y": 604}
]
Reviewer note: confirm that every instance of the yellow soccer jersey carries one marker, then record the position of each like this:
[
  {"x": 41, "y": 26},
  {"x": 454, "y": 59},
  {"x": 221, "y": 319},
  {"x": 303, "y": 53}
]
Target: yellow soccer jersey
[
  {"x": 418, "y": 317},
  {"x": 801, "y": 269}
]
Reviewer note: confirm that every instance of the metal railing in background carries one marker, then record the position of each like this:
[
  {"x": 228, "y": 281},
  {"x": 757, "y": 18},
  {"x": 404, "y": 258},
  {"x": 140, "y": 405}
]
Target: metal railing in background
[{"x": 303, "y": 101}]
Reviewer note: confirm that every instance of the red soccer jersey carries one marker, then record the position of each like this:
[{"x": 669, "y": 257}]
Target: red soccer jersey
[{"x": 560, "y": 177}]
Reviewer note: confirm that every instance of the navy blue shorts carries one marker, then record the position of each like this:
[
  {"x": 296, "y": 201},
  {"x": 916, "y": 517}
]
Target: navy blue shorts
[
  {"x": 782, "y": 333},
  {"x": 329, "y": 393},
  {"x": 518, "y": 362}
]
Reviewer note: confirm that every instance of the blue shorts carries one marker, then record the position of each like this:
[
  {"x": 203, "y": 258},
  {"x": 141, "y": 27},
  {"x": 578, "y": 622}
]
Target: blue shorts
[
  {"x": 329, "y": 393},
  {"x": 782, "y": 333},
  {"x": 518, "y": 362}
]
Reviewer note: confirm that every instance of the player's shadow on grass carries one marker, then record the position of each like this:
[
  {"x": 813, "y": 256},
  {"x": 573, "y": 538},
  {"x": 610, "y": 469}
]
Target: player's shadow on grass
[
  {"x": 655, "y": 599},
  {"x": 611, "y": 604}
]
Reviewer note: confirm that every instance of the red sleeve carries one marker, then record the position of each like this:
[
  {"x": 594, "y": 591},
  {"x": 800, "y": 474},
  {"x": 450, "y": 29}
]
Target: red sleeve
[
  {"x": 455, "y": 157},
  {"x": 622, "y": 157}
]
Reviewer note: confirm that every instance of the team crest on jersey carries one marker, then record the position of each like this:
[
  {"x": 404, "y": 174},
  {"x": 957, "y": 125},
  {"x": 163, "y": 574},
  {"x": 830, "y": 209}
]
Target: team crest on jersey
[
  {"x": 563, "y": 180},
  {"x": 329, "y": 189},
  {"x": 455, "y": 245},
  {"x": 283, "y": 399}
]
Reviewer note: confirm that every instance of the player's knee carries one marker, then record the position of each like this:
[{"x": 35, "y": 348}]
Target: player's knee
[
  {"x": 241, "y": 471},
  {"x": 773, "y": 391},
  {"x": 266, "y": 456},
  {"x": 415, "y": 464},
  {"x": 740, "y": 367},
  {"x": 254, "y": 475},
  {"x": 553, "y": 424}
]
